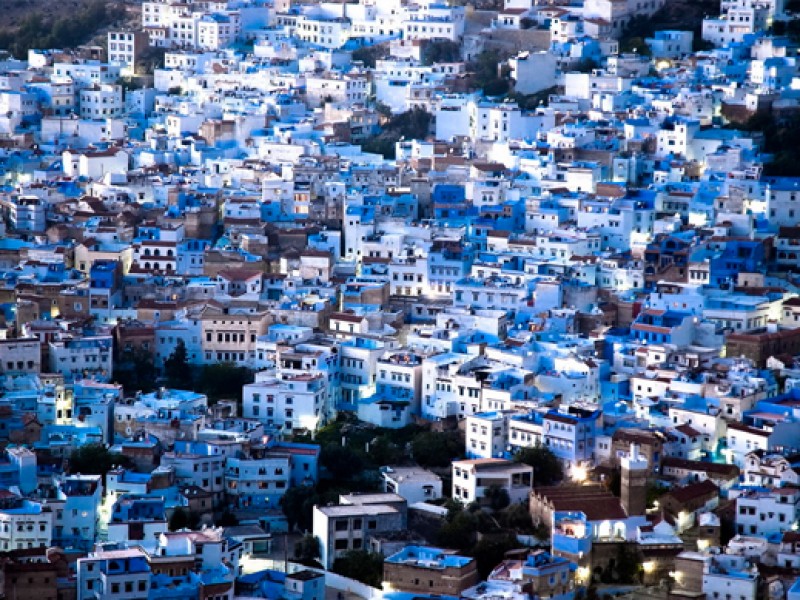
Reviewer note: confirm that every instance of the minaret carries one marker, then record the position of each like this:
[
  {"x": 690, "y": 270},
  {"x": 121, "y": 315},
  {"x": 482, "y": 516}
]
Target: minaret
[{"x": 634, "y": 482}]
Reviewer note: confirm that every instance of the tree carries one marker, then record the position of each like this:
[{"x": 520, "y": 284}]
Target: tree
[
  {"x": 628, "y": 565},
  {"x": 298, "y": 505},
  {"x": 68, "y": 31},
  {"x": 95, "y": 459},
  {"x": 458, "y": 530},
  {"x": 491, "y": 550},
  {"x": 135, "y": 370},
  {"x": 441, "y": 51},
  {"x": 516, "y": 517},
  {"x": 547, "y": 468},
  {"x": 179, "y": 520},
  {"x": 177, "y": 369},
  {"x": 383, "y": 451},
  {"x": 412, "y": 125},
  {"x": 488, "y": 77},
  {"x": 497, "y": 497},
  {"x": 342, "y": 462},
  {"x": 434, "y": 449},
  {"x": 361, "y": 565},
  {"x": 227, "y": 519},
  {"x": 307, "y": 550},
  {"x": 224, "y": 381},
  {"x": 150, "y": 59},
  {"x": 369, "y": 55}
]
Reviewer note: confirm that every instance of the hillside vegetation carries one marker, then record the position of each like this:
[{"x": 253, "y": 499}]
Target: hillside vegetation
[{"x": 30, "y": 24}]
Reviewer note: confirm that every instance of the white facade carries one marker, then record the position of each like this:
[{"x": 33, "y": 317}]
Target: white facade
[
  {"x": 472, "y": 478},
  {"x": 26, "y": 525}
]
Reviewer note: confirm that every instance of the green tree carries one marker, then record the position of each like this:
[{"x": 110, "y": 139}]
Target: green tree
[
  {"x": 227, "y": 519},
  {"x": 95, "y": 459},
  {"x": 342, "y": 462},
  {"x": 434, "y": 449},
  {"x": 411, "y": 125},
  {"x": 135, "y": 371},
  {"x": 497, "y": 497},
  {"x": 487, "y": 73},
  {"x": 491, "y": 550},
  {"x": 516, "y": 517},
  {"x": 224, "y": 381},
  {"x": 361, "y": 565},
  {"x": 369, "y": 55},
  {"x": 298, "y": 505},
  {"x": 547, "y": 468},
  {"x": 441, "y": 51},
  {"x": 307, "y": 550},
  {"x": 177, "y": 369},
  {"x": 628, "y": 565},
  {"x": 458, "y": 531},
  {"x": 179, "y": 520},
  {"x": 150, "y": 59},
  {"x": 383, "y": 451}
]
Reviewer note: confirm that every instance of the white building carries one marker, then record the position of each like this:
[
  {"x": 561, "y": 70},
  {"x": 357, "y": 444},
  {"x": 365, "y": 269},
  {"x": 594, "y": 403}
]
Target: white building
[
  {"x": 415, "y": 484},
  {"x": 472, "y": 478},
  {"x": 533, "y": 72},
  {"x": 765, "y": 513},
  {"x": 82, "y": 357},
  {"x": 287, "y": 400},
  {"x": 24, "y": 524}
]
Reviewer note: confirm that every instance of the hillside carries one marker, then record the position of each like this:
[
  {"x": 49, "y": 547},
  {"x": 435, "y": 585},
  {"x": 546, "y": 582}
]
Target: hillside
[{"x": 57, "y": 24}]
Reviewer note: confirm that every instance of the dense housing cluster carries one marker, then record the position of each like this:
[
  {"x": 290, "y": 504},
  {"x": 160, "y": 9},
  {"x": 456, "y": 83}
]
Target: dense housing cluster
[{"x": 403, "y": 300}]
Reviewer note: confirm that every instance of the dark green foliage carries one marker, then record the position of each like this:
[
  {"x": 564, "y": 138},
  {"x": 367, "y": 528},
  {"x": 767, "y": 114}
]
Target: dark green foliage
[
  {"x": 180, "y": 519},
  {"x": 628, "y": 565},
  {"x": 635, "y": 44},
  {"x": 441, "y": 51},
  {"x": 150, "y": 59},
  {"x": 223, "y": 381},
  {"x": 547, "y": 468},
  {"x": 517, "y": 518},
  {"x": 780, "y": 140},
  {"x": 533, "y": 101},
  {"x": 177, "y": 369},
  {"x": 411, "y": 125},
  {"x": 135, "y": 371},
  {"x": 433, "y": 449},
  {"x": 497, "y": 497},
  {"x": 342, "y": 462},
  {"x": 361, "y": 565},
  {"x": 370, "y": 54},
  {"x": 69, "y": 31},
  {"x": 587, "y": 65},
  {"x": 486, "y": 69},
  {"x": 227, "y": 519},
  {"x": 95, "y": 459},
  {"x": 686, "y": 15},
  {"x": 654, "y": 492},
  {"x": 306, "y": 550},
  {"x": 458, "y": 530},
  {"x": 490, "y": 550},
  {"x": 386, "y": 452},
  {"x": 297, "y": 504}
]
